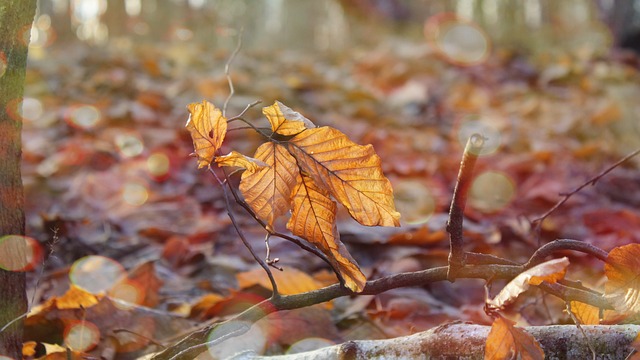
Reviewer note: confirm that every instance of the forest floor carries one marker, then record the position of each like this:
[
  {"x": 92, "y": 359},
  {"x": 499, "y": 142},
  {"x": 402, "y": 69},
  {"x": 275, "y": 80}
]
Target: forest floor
[{"x": 117, "y": 207}]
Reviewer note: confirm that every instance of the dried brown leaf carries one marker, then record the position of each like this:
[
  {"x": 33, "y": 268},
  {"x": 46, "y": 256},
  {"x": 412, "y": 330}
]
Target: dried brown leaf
[
  {"x": 208, "y": 128},
  {"x": 505, "y": 341},
  {"x": 550, "y": 271},
  {"x": 350, "y": 172},
  {"x": 314, "y": 219},
  {"x": 237, "y": 159},
  {"x": 285, "y": 121},
  {"x": 268, "y": 190}
]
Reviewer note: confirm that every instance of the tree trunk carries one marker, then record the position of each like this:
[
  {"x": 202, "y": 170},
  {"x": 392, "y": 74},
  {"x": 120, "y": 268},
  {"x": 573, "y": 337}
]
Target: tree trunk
[{"x": 16, "y": 17}]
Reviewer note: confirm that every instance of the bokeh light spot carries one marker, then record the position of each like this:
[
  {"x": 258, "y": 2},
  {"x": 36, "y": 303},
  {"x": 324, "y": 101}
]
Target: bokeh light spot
[
  {"x": 19, "y": 253},
  {"x": 2, "y": 357},
  {"x": 135, "y": 194},
  {"x": 492, "y": 138},
  {"x": 129, "y": 145},
  {"x": 31, "y": 109},
  {"x": 81, "y": 336},
  {"x": 253, "y": 340},
  {"x": 128, "y": 291},
  {"x": 458, "y": 41},
  {"x": 491, "y": 191},
  {"x": 158, "y": 165},
  {"x": 309, "y": 344},
  {"x": 83, "y": 116},
  {"x": 96, "y": 274},
  {"x": 414, "y": 200}
]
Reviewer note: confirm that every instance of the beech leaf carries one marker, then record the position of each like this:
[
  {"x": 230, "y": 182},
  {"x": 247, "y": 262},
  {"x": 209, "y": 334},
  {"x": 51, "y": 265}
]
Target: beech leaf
[
  {"x": 267, "y": 190},
  {"x": 234, "y": 158},
  {"x": 208, "y": 128},
  {"x": 505, "y": 341},
  {"x": 622, "y": 268},
  {"x": 314, "y": 219},
  {"x": 351, "y": 173},
  {"x": 285, "y": 121},
  {"x": 550, "y": 271}
]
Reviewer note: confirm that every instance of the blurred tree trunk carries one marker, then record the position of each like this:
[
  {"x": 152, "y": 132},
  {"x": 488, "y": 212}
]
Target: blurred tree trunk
[{"x": 16, "y": 17}]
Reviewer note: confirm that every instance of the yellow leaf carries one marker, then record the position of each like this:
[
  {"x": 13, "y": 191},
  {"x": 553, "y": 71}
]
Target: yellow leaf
[
  {"x": 550, "y": 271},
  {"x": 585, "y": 313},
  {"x": 314, "y": 219},
  {"x": 622, "y": 268},
  {"x": 291, "y": 281},
  {"x": 350, "y": 172},
  {"x": 505, "y": 341},
  {"x": 76, "y": 298},
  {"x": 234, "y": 158},
  {"x": 285, "y": 121},
  {"x": 268, "y": 190},
  {"x": 208, "y": 128}
]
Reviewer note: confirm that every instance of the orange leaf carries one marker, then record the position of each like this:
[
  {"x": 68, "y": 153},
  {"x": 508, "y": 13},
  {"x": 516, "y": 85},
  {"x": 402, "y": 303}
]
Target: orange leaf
[
  {"x": 550, "y": 271},
  {"x": 234, "y": 158},
  {"x": 585, "y": 313},
  {"x": 350, "y": 172},
  {"x": 75, "y": 298},
  {"x": 622, "y": 268},
  {"x": 268, "y": 190},
  {"x": 285, "y": 121},
  {"x": 208, "y": 128},
  {"x": 505, "y": 341},
  {"x": 141, "y": 287},
  {"x": 290, "y": 281},
  {"x": 314, "y": 219}
]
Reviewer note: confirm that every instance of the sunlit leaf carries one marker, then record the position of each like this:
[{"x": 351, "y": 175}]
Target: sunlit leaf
[
  {"x": 314, "y": 219},
  {"x": 285, "y": 121},
  {"x": 505, "y": 341},
  {"x": 622, "y": 268},
  {"x": 75, "y": 298},
  {"x": 208, "y": 128},
  {"x": 550, "y": 271},
  {"x": 290, "y": 281},
  {"x": 236, "y": 159},
  {"x": 350, "y": 172},
  {"x": 268, "y": 190},
  {"x": 585, "y": 313}
]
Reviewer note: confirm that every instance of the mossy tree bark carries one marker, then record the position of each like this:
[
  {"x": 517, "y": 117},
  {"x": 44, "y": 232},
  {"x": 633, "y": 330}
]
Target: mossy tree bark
[{"x": 16, "y": 17}]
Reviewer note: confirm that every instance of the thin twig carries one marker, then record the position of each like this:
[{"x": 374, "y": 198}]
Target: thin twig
[
  {"x": 575, "y": 321},
  {"x": 565, "y": 244},
  {"x": 249, "y": 106},
  {"x": 458, "y": 203},
  {"x": 190, "y": 346},
  {"x": 304, "y": 245},
  {"x": 566, "y": 196},
  {"x": 227, "y": 67},
  {"x": 223, "y": 185}
]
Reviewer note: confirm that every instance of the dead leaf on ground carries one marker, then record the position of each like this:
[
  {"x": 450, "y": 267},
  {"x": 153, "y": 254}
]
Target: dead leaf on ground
[
  {"x": 290, "y": 281},
  {"x": 505, "y": 341}
]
